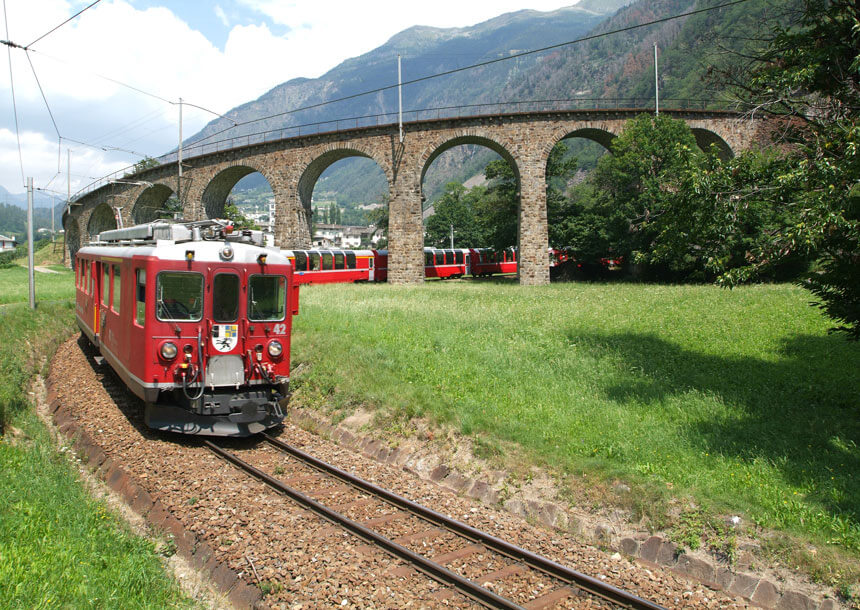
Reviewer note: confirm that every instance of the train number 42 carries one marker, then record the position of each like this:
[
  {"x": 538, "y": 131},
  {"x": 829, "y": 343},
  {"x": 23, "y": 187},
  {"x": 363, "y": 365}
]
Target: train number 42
[{"x": 280, "y": 329}]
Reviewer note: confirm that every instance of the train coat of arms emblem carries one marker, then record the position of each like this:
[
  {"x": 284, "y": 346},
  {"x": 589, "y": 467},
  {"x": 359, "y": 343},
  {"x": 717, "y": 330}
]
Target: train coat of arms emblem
[{"x": 225, "y": 336}]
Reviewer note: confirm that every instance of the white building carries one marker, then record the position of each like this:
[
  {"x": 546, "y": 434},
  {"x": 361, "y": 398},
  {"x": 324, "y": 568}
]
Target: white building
[
  {"x": 342, "y": 236},
  {"x": 6, "y": 243}
]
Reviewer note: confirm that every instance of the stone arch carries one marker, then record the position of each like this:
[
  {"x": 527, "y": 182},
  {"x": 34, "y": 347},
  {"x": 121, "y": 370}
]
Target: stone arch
[
  {"x": 602, "y": 135},
  {"x": 433, "y": 151},
  {"x": 215, "y": 194},
  {"x": 102, "y": 218},
  {"x": 705, "y": 138},
  {"x": 315, "y": 169},
  {"x": 150, "y": 202}
]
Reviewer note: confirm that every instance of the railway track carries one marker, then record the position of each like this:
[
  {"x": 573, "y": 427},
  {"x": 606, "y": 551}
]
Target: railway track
[{"x": 470, "y": 561}]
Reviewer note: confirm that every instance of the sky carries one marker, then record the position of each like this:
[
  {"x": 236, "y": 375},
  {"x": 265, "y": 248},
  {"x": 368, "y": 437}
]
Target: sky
[{"x": 215, "y": 55}]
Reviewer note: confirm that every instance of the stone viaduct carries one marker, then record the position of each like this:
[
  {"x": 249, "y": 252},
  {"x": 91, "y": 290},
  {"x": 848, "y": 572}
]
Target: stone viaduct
[{"x": 293, "y": 165}]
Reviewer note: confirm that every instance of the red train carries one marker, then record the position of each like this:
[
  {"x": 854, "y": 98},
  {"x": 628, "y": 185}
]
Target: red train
[
  {"x": 338, "y": 266},
  {"x": 196, "y": 319}
]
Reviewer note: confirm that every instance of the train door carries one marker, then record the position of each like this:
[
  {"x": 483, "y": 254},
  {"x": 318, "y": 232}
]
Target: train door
[
  {"x": 98, "y": 297},
  {"x": 225, "y": 346}
]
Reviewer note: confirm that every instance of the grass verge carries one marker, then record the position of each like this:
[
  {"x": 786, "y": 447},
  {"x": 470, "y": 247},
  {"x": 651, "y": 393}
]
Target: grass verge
[
  {"x": 58, "y": 546},
  {"x": 737, "y": 399}
]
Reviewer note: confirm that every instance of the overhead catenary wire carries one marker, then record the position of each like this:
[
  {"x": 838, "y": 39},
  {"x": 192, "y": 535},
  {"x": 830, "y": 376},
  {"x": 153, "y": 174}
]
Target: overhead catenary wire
[
  {"x": 477, "y": 65},
  {"x": 61, "y": 25}
]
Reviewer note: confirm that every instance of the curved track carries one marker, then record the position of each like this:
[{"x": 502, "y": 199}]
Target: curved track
[{"x": 563, "y": 583}]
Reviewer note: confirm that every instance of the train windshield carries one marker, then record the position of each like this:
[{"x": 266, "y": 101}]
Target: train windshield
[
  {"x": 267, "y": 298},
  {"x": 179, "y": 296},
  {"x": 225, "y": 297}
]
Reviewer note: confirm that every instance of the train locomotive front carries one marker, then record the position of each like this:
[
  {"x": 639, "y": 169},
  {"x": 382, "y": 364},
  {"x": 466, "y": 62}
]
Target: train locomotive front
[{"x": 196, "y": 319}]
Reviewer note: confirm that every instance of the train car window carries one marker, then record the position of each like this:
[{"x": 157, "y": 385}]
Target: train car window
[
  {"x": 225, "y": 297},
  {"x": 92, "y": 277},
  {"x": 449, "y": 256},
  {"x": 105, "y": 284},
  {"x": 458, "y": 257},
  {"x": 117, "y": 289},
  {"x": 301, "y": 261},
  {"x": 179, "y": 296},
  {"x": 314, "y": 261},
  {"x": 440, "y": 257},
  {"x": 267, "y": 298},
  {"x": 350, "y": 260},
  {"x": 326, "y": 260},
  {"x": 338, "y": 261},
  {"x": 140, "y": 297},
  {"x": 428, "y": 259}
]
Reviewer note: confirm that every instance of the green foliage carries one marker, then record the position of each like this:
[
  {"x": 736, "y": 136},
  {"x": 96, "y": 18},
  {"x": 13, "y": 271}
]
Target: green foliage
[
  {"x": 455, "y": 208},
  {"x": 145, "y": 164},
  {"x": 781, "y": 210},
  {"x": 240, "y": 221}
]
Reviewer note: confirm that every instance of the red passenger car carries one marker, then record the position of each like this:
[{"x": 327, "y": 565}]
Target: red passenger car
[
  {"x": 446, "y": 264},
  {"x": 195, "y": 319},
  {"x": 334, "y": 266},
  {"x": 487, "y": 261}
]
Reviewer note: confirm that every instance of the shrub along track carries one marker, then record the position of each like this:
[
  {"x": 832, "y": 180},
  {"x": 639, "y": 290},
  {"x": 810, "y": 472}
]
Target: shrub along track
[{"x": 298, "y": 558}]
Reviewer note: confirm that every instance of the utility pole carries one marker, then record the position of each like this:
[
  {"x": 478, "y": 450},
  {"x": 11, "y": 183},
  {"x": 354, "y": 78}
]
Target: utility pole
[
  {"x": 452, "y": 237},
  {"x": 656, "y": 85},
  {"x": 52, "y": 222},
  {"x": 68, "y": 198},
  {"x": 400, "y": 98},
  {"x": 179, "y": 158},
  {"x": 30, "y": 243}
]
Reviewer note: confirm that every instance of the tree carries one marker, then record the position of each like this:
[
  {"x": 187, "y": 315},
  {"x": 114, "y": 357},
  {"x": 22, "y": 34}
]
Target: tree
[
  {"x": 638, "y": 180},
  {"x": 455, "y": 208},
  {"x": 808, "y": 200},
  {"x": 239, "y": 220}
]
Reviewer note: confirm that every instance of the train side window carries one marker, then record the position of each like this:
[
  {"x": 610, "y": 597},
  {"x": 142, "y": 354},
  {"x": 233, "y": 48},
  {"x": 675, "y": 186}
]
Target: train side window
[
  {"x": 267, "y": 298},
  {"x": 338, "y": 261},
  {"x": 326, "y": 260},
  {"x": 179, "y": 296},
  {"x": 92, "y": 277},
  {"x": 428, "y": 259},
  {"x": 140, "y": 297},
  {"x": 440, "y": 257},
  {"x": 449, "y": 256},
  {"x": 117, "y": 289},
  {"x": 301, "y": 261},
  {"x": 350, "y": 260},
  {"x": 314, "y": 261},
  {"x": 225, "y": 297},
  {"x": 105, "y": 284},
  {"x": 458, "y": 257}
]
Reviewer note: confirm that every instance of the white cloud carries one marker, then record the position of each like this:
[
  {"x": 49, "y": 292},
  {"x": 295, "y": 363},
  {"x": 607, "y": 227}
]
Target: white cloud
[
  {"x": 222, "y": 16},
  {"x": 155, "y": 51}
]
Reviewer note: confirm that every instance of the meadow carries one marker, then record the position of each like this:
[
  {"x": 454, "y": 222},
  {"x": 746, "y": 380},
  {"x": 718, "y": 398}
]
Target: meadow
[
  {"x": 58, "y": 546},
  {"x": 737, "y": 399}
]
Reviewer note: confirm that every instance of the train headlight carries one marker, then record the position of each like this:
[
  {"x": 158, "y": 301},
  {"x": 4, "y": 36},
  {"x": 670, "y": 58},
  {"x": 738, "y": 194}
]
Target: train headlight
[
  {"x": 275, "y": 348},
  {"x": 168, "y": 350},
  {"x": 227, "y": 253}
]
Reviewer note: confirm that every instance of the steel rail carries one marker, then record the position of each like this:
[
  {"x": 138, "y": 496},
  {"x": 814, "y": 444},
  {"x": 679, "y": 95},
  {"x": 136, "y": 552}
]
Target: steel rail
[
  {"x": 434, "y": 570},
  {"x": 542, "y": 564}
]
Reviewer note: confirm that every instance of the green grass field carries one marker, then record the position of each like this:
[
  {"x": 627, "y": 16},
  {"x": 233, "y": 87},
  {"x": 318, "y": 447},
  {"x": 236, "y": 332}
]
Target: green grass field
[
  {"x": 59, "y": 548},
  {"x": 739, "y": 399},
  {"x": 15, "y": 287}
]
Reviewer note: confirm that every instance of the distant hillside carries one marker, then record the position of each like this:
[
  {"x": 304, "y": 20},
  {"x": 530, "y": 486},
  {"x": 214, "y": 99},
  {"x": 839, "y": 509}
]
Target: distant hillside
[{"x": 617, "y": 66}]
